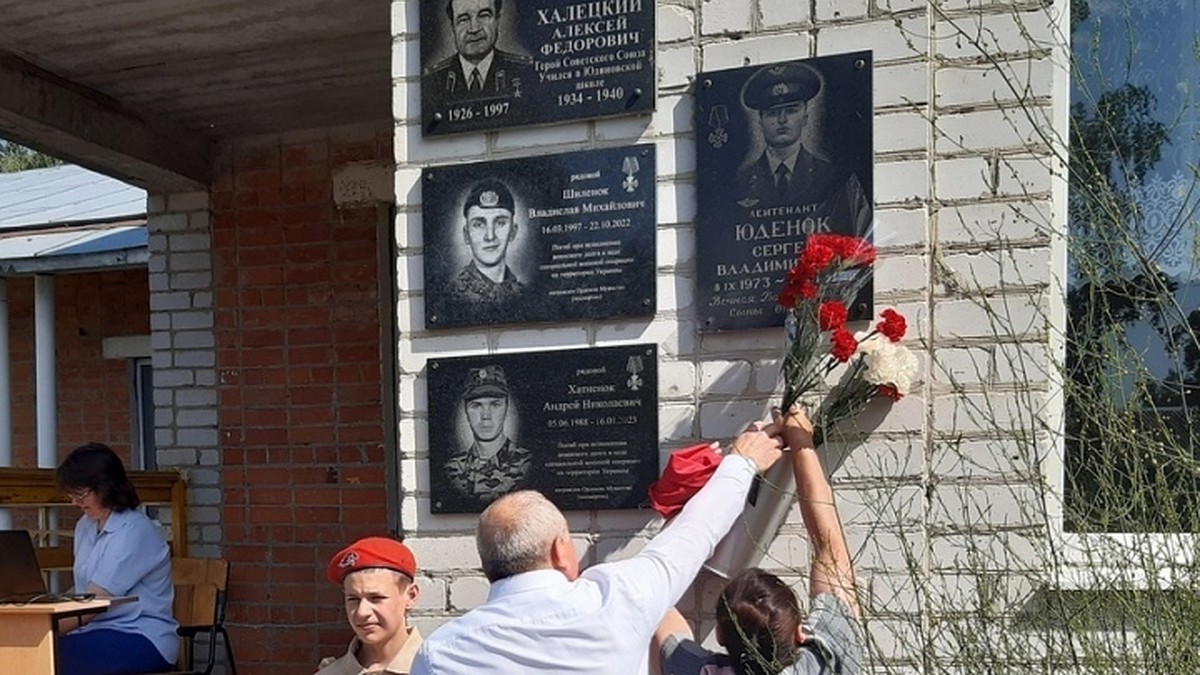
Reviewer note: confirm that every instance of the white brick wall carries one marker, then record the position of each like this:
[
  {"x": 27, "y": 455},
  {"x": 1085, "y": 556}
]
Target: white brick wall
[
  {"x": 725, "y": 16},
  {"x": 184, "y": 357},
  {"x": 964, "y": 207}
]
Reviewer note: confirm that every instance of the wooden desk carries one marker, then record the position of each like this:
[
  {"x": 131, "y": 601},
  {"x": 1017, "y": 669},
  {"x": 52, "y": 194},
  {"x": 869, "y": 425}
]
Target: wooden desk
[{"x": 27, "y": 632}]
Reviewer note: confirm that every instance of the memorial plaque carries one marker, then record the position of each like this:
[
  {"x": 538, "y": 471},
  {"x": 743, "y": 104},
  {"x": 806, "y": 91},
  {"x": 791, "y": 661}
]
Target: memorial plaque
[
  {"x": 549, "y": 238},
  {"x": 488, "y": 64},
  {"x": 581, "y": 426},
  {"x": 783, "y": 150}
]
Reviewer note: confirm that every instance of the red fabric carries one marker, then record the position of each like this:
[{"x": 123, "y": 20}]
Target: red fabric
[
  {"x": 371, "y": 552},
  {"x": 687, "y": 471}
]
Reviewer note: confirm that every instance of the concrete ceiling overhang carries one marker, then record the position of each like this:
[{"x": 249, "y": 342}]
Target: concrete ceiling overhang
[{"x": 144, "y": 89}]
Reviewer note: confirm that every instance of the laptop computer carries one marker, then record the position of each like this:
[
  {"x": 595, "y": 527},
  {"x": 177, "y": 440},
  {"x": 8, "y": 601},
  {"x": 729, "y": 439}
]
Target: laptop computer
[{"x": 20, "y": 576}]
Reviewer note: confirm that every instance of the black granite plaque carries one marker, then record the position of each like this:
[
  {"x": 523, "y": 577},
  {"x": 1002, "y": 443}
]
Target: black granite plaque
[
  {"x": 487, "y": 64},
  {"x": 550, "y": 238},
  {"x": 783, "y": 150},
  {"x": 580, "y": 425}
]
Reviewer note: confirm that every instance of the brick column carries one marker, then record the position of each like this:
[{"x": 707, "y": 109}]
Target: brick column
[{"x": 184, "y": 356}]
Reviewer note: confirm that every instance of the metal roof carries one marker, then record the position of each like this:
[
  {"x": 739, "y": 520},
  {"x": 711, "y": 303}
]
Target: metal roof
[
  {"x": 66, "y": 194},
  {"x": 67, "y": 218}
]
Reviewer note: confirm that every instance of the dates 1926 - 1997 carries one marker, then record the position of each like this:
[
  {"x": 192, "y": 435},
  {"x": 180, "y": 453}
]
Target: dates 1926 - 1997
[{"x": 487, "y": 109}]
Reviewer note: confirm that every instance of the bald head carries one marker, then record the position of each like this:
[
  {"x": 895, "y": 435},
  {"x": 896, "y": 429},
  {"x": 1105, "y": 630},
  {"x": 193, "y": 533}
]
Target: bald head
[{"x": 517, "y": 534}]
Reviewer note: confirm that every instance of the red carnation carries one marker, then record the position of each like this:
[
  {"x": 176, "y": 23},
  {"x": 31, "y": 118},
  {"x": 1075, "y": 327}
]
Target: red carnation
[
  {"x": 862, "y": 253},
  {"x": 851, "y": 250},
  {"x": 829, "y": 241},
  {"x": 845, "y": 246},
  {"x": 889, "y": 391},
  {"x": 842, "y": 345},
  {"x": 816, "y": 258},
  {"x": 789, "y": 296},
  {"x": 833, "y": 314},
  {"x": 808, "y": 289},
  {"x": 893, "y": 325}
]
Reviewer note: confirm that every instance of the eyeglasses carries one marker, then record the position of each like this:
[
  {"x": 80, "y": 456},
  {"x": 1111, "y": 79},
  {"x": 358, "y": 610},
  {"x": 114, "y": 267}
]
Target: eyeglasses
[{"x": 77, "y": 497}]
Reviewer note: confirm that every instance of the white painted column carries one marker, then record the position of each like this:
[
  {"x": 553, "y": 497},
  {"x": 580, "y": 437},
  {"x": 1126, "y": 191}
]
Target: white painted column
[
  {"x": 46, "y": 386},
  {"x": 6, "y": 449},
  {"x": 46, "y": 376}
]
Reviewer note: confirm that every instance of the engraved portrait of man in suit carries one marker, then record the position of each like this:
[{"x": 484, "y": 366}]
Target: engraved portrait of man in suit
[{"x": 478, "y": 70}]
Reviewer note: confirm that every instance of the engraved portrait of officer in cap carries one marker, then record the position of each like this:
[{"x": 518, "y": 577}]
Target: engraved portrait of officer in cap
[
  {"x": 787, "y": 167},
  {"x": 489, "y": 226},
  {"x": 493, "y": 464},
  {"x": 784, "y": 151}
]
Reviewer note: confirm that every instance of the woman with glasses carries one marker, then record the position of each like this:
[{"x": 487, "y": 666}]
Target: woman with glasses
[{"x": 118, "y": 552}]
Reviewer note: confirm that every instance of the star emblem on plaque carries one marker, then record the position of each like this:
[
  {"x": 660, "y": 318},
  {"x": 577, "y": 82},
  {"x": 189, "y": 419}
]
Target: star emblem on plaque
[
  {"x": 630, "y": 168},
  {"x": 634, "y": 367},
  {"x": 717, "y": 120}
]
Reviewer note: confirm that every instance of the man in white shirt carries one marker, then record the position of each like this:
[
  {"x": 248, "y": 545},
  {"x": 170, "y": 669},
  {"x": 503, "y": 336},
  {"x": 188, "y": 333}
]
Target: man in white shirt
[{"x": 543, "y": 615}]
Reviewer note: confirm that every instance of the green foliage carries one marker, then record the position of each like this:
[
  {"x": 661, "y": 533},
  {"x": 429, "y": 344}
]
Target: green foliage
[
  {"x": 1010, "y": 565},
  {"x": 1131, "y": 451},
  {"x": 15, "y": 157},
  {"x": 1034, "y": 542}
]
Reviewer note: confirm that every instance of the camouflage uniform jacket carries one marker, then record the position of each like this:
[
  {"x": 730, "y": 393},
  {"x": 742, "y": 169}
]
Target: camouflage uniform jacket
[
  {"x": 488, "y": 479},
  {"x": 472, "y": 287}
]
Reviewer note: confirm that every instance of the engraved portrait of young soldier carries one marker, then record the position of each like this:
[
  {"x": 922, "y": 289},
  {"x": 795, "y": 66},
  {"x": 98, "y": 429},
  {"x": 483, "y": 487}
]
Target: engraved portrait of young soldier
[
  {"x": 488, "y": 229},
  {"x": 493, "y": 465},
  {"x": 778, "y": 98},
  {"x": 478, "y": 69}
]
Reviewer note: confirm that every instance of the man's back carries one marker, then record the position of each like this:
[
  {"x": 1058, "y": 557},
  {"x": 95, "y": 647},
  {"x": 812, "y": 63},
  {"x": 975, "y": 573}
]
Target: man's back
[
  {"x": 540, "y": 622},
  {"x": 602, "y": 622}
]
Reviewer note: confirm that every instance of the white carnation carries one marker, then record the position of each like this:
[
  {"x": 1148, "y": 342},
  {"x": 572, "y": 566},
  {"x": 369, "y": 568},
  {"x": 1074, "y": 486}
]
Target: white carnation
[
  {"x": 888, "y": 363},
  {"x": 867, "y": 343}
]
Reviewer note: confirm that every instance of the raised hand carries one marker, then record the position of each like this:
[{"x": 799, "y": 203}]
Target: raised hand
[{"x": 760, "y": 443}]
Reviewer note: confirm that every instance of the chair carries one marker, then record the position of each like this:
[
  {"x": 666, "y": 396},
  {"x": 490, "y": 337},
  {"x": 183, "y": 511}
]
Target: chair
[{"x": 200, "y": 593}]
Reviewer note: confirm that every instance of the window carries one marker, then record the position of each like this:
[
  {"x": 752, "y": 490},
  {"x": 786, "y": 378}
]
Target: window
[
  {"x": 1132, "y": 380},
  {"x": 135, "y": 351},
  {"x": 143, "y": 403}
]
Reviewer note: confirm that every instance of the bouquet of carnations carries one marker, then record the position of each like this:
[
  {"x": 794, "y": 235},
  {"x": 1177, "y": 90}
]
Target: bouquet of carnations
[{"x": 819, "y": 290}]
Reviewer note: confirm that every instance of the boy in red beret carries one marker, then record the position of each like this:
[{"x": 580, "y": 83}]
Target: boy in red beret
[{"x": 376, "y": 575}]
